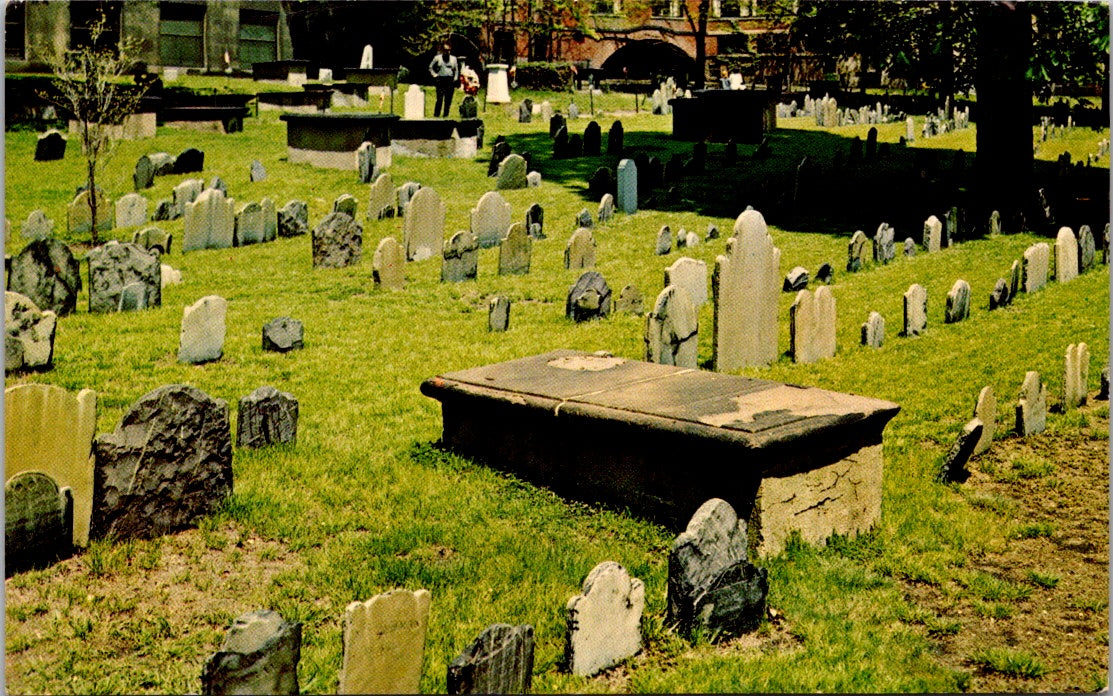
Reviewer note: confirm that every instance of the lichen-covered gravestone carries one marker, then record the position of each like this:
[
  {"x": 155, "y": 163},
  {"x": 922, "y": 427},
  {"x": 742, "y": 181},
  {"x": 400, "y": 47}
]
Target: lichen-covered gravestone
[
  {"x": 131, "y": 210},
  {"x": 664, "y": 241},
  {"x": 267, "y": 417},
  {"x": 1037, "y": 258},
  {"x": 515, "y": 251},
  {"x": 490, "y": 219},
  {"x": 47, "y": 273},
  {"x": 580, "y": 251},
  {"x": 114, "y": 266},
  {"x": 744, "y": 287},
  {"x": 909, "y": 247},
  {"x": 260, "y": 655},
  {"x": 812, "y": 326},
  {"x": 461, "y": 258},
  {"x": 630, "y": 301},
  {"x": 144, "y": 175},
  {"x": 958, "y": 302},
  {"x": 884, "y": 244},
  {"x": 511, "y": 173},
  {"x": 249, "y": 227},
  {"x": 606, "y": 208},
  {"x": 604, "y": 623},
  {"x": 423, "y": 226},
  {"x": 384, "y": 640},
  {"x": 210, "y": 222},
  {"x": 498, "y": 313},
  {"x": 589, "y": 298},
  {"x": 985, "y": 410},
  {"x": 1000, "y": 295},
  {"x": 365, "y": 162},
  {"x": 168, "y": 463},
  {"x": 873, "y": 331},
  {"x": 293, "y": 219},
  {"x": 1031, "y": 409},
  {"x": 202, "y": 335},
  {"x": 382, "y": 199},
  {"x": 1076, "y": 375},
  {"x": 499, "y": 661},
  {"x": 672, "y": 329},
  {"x": 691, "y": 274},
  {"x": 28, "y": 334},
  {"x": 38, "y": 525},
  {"x": 1087, "y": 249},
  {"x": 283, "y": 334},
  {"x": 185, "y": 193},
  {"x": 36, "y": 226},
  {"x": 154, "y": 240},
  {"x": 583, "y": 219},
  {"x": 933, "y": 234},
  {"x": 345, "y": 203},
  {"x": 257, "y": 172},
  {"x": 337, "y": 242},
  {"x": 915, "y": 310},
  {"x": 856, "y": 251},
  {"x": 388, "y": 265},
  {"x": 1066, "y": 255}
]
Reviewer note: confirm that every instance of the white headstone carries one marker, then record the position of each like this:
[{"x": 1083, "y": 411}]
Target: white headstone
[
  {"x": 933, "y": 234},
  {"x": 746, "y": 286},
  {"x": 812, "y": 325},
  {"x": 131, "y": 210},
  {"x": 202, "y": 335},
  {"x": 490, "y": 219},
  {"x": 690, "y": 274},
  {"x": 915, "y": 310},
  {"x": 210, "y": 222},
  {"x": 604, "y": 623},
  {"x": 1037, "y": 258},
  {"x": 367, "y": 59},
  {"x": 423, "y": 226},
  {"x": 1066, "y": 255},
  {"x": 415, "y": 103},
  {"x": 1031, "y": 409}
]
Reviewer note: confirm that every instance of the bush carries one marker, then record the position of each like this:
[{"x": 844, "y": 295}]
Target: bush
[{"x": 544, "y": 76}]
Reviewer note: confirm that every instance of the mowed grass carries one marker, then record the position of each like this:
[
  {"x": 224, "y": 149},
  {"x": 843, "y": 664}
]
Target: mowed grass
[{"x": 365, "y": 502}]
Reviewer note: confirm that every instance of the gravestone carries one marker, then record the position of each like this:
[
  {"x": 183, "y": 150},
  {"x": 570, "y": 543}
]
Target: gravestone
[
  {"x": 190, "y": 160},
  {"x": 266, "y": 417},
  {"x": 856, "y": 251},
  {"x": 994, "y": 223},
  {"x": 414, "y": 103},
  {"x": 154, "y": 240},
  {"x": 283, "y": 334},
  {"x": 202, "y": 333},
  {"x": 1105, "y": 245},
  {"x": 28, "y": 334},
  {"x": 626, "y": 196},
  {"x": 50, "y": 146},
  {"x": 672, "y": 329},
  {"x": 954, "y": 468},
  {"x": 468, "y": 107},
  {"x": 951, "y": 227},
  {"x": 1103, "y": 386},
  {"x": 217, "y": 183},
  {"x": 249, "y": 225},
  {"x": 690, "y": 274},
  {"x": 1066, "y": 255},
  {"x": 583, "y": 219},
  {"x": 744, "y": 286},
  {"x": 1016, "y": 273},
  {"x": 47, "y": 274},
  {"x": 915, "y": 310},
  {"x": 382, "y": 198},
  {"x": 556, "y": 122},
  {"x": 490, "y": 219},
  {"x": 1087, "y": 249},
  {"x": 535, "y": 221},
  {"x": 525, "y": 111},
  {"x": 795, "y": 280},
  {"x": 499, "y": 661},
  {"x": 664, "y": 241},
  {"x": 871, "y": 143},
  {"x": 884, "y": 244},
  {"x": 384, "y": 640},
  {"x": 560, "y": 143},
  {"x": 681, "y": 239},
  {"x": 515, "y": 251},
  {"x": 606, "y": 208},
  {"x": 461, "y": 258},
  {"x": 37, "y": 226},
  {"x": 259, "y": 655},
  {"x": 691, "y": 239},
  {"x": 423, "y": 226},
  {"x": 114, "y": 266},
  {"x": 168, "y": 463},
  {"x": 270, "y": 220},
  {"x": 404, "y": 194},
  {"x": 165, "y": 210},
  {"x": 593, "y": 137},
  {"x": 1031, "y": 409},
  {"x": 79, "y": 217},
  {"x": 500, "y": 150},
  {"x": 825, "y": 274},
  {"x": 812, "y": 326},
  {"x": 163, "y": 163},
  {"x": 498, "y": 313},
  {"x": 933, "y": 234},
  {"x": 366, "y": 59},
  {"x": 533, "y": 179},
  {"x": 589, "y": 298},
  {"x": 131, "y": 210},
  {"x": 1076, "y": 375},
  {"x": 388, "y": 265},
  {"x": 712, "y": 232},
  {"x": 144, "y": 175},
  {"x": 184, "y": 193},
  {"x": 958, "y": 302},
  {"x": 909, "y": 247},
  {"x": 337, "y": 242},
  {"x": 580, "y": 251},
  {"x": 1037, "y": 258},
  {"x": 630, "y": 301},
  {"x": 512, "y": 173},
  {"x": 873, "y": 331},
  {"x": 293, "y": 219},
  {"x": 1000, "y": 295},
  {"x": 170, "y": 276},
  {"x": 257, "y": 172},
  {"x": 615, "y": 138},
  {"x": 38, "y": 517},
  {"x": 210, "y": 222},
  {"x": 985, "y": 410},
  {"x": 604, "y": 622},
  {"x": 345, "y": 203},
  {"x": 365, "y": 162}
]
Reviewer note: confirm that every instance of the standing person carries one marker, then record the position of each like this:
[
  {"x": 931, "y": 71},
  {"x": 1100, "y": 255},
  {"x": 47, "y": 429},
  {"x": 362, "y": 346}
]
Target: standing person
[{"x": 445, "y": 71}]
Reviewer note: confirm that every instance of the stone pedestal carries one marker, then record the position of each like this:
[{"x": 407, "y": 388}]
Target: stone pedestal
[{"x": 498, "y": 90}]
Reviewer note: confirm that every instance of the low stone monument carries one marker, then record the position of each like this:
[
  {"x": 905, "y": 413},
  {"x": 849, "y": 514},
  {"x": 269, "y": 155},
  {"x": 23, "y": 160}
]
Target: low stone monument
[
  {"x": 604, "y": 623},
  {"x": 266, "y": 417},
  {"x": 384, "y": 640},
  {"x": 499, "y": 661},
  {"x": 202, "y": 334},
  {"x": 114, "y": 266},
  {"x": 589, "y": 298},
  {"x": 873, "y": 331},
  {"x": 260, "y": 655},
  {"x": 283, "y": 334}
]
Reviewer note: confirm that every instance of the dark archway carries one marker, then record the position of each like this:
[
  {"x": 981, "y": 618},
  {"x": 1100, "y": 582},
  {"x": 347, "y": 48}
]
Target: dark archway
[{"x": 650, "y": 59}]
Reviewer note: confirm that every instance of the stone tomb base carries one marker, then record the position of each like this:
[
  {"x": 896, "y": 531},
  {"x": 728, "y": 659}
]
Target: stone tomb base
[{"x": 661, "y": 440}]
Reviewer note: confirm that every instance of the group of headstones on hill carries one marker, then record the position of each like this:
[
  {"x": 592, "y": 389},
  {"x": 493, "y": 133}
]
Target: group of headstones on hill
[{"x": 512, "y": 170}]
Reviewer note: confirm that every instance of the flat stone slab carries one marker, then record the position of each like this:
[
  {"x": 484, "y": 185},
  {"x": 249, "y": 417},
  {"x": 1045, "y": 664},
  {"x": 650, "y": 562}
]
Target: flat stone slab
[{"x": 663, "y": 439}]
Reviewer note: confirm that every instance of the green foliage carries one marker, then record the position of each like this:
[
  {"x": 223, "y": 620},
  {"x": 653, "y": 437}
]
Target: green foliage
[
  {"x": 1011, "y": 663},
  {"x": 554, "y": 76}
]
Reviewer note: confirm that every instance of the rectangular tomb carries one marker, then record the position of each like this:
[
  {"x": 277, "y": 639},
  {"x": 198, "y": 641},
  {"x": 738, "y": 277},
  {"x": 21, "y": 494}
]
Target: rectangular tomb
[
  {"x": 331, "y": 140},
  {"x": 660, "y": 440}
]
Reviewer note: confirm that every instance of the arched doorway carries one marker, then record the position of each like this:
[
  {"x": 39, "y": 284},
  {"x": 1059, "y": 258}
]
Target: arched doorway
[{"x": 649, "y": 59}]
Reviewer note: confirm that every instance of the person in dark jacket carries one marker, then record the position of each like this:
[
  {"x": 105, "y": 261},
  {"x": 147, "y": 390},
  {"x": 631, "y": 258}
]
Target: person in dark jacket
[{"x": 445, "y": 70}]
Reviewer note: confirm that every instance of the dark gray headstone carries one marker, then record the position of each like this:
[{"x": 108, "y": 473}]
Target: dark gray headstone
[
  {"x": 525, "y": 111},
  {"x": 871, "y": 143},
  {"x": 796, "y": 279},
  {"x": 468, "y": 107},
  {"x": 583, "y": 219},
  {"x": 191, "y": 160},
  {"x": 293, "y": 219},
  {"x": 38, "y": 521},
  {"x": 47, "y": 273},
  {"x": 589, "y": 298},
  {"x": 133, "y": 297},
  {"x": 954, "y": 469},
  {"x": 825, "y": 274},
  {"x": 1103, "y": 389},
  {"x": 498, "y": 313},
  {"x": 1087, "y": 250},
  {"x": 258, "y": 172},
  {"x": 560, "y": 143},
  {"x": 461, "y": 258},
  {"x": 165, "y": 210},
  {"x": 500, "y": 150},
  {"x": 50, "y": 146},
  {"x": 283, "y": 334},
  {"x": 556, "y": 122},
  {"x": 615, "y": 138},
  {"x": 337, "y": 242},
  {"x": 500, "y": 661},
  {"x": 168, "y": 463},
  {"x": 1000, "y": 296},
  {"x": 535, "y": 221},
  {"x": 114, "y": 266},
  {"x": 163, "y": 163},
  {"x": 260, "y": 656},
  {"x": 593, "y": 140},
  {"x": 575, "y": 145},
  {"x": 712, "y": 232},
  {"x": 267, "y": 417},
  {"x": 144, "y": 176},
  {"x": 601, "y": 182}
]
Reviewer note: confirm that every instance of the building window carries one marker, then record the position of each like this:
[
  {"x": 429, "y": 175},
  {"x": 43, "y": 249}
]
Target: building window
[
  {"x": 83, "y": 15},
  {"x": 15, "y": 23},
  {"x": 181, "y": 34},
  {"x": 539, "y": 45},
  {"x": 661, "y": 8},
  {"x": 603, "y": 7},
  {"x": 258, "y": 37},
  {"x": 504, "y": 46},
  {"x": 736, "y": 8}
]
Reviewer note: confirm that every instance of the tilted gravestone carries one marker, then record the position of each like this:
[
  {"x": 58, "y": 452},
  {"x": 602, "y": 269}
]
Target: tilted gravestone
[
  {"x": 825, "y": 274},
  {"x": 382, "y": 200},
  {"x": 604, "y": 622},
  {"x": 985, "y": 410},
  {"x": 337, "y": 242},
  {"x": 50, "y": 146},
  {"x": 37, "y": 226},
  {"x": 630, "y": 301},
  {"x": 210, "y": 222},
  {"x": 1037, "y": 259},
  {"x": 958, "y": 302},
  {"x": 511, "y": 173},
  {"x": 626, "y": 190},
  {"x": 535, "y": 221},
  {"x": 884, "y": 244},
  {"x": 384, "y": 640},
  {"x": 114, "y": 266},
  {"x": 257, "y": 172},
  {"x": 499, "y": 661},
  {"x": 498, "y": 313},
  {"x": 1031, "y": 408},
  {"x": 202, "y": 335},
  {"x": 28, "y": 334},
  {"x": 795, "y": 280},
  {"x": 144, "y": 175},
  {"x": 1016, "y": 274},
  {"x": 47, "y": 274},
  {"x": 38, "y": 517},
  {"x": 1066, "y": 255},
  {"x": 50, "y": 430},
  {"x": 744, "y": 287},
  {"x": 131, "y": 210},
  {"x": 1087, "y": 249},
  {"x": 606, "y": 208},
  {"x": 190, "y": 160},
  {"x": 267, "y": 416},
  {"x": 994, "y": 223},
  {"x": 490, "y": 219},
  {"x": 664, "y": 241},
  {"x": 1076, "y": 375},
  {"x": 366, "y": 162},
  {"x": 79, "y": 216},
  {"x": 388, "y": 265},
  {"x": 580, "y": 251},
  {"x": 283, "y": 334},
  {"x": 260, "y": 655},
  {"x": 515, "y": 251},
  {"x": 933, "y": 234},
  {"x": 812, "y": 326},
  {"x": 615, "y": 139},
  {"x": 345, "y": 203},
  {"x": 593, "y": 140},
  {"x": 954, "y": 468},
  {"x": 589, "y": 298},
  {"x": 168, "y": 463},
  {"x": 873, "y": 331},
  {"x": 915, "y": 310},
  {"x": 672, "y": 329},
  {"x": 856, "y": 252},
  {"x": 154, "y": 240},
  {"x": 423, "y": 226},
  {"x": 217, "y": 183},
  {"x": 690, "y": 274},
  {"x": 1000, "y": 295},
  {"x": 461, "y": 258}
]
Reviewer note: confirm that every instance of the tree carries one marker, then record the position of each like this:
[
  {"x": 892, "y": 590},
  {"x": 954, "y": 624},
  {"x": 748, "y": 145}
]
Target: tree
[
  {"x": 696, "y": 11},
  {"x": 89, "y": 84}
]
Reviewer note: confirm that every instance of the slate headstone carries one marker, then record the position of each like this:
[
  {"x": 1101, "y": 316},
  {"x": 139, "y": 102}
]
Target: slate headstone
[
  {"x": 626, "y": 196},
  {"x": 1016, "y": 274},
  {"x": 525, "y": 111},
  {"x": 337, "y": 242},
  {"x": 615, "y": 138},
  {"x": 672, "y": 329},
  {"x": 1031, "y": 409},
  {"x": 1000, "y": 295},
  {"x": 500, "y": 661},
  {"x": 388, "y": 265},
  {"x": 589, "y": 298},
  {"x": 293, "y": 219},
  {"x": 954, "y": 468},
  {"x": 468, "y": 107},
  {"x": 405, "y": 194},
  {"x": 114, "y": 266},
  {"x": 512, "y": 173},
  {"x": 744, "y": 286},
  {"x": 915, "y": 310},
  {"x": 856, "y": 252},
  {"x": 190, "y": 160},
  {"x": 163, "y": 163},
  {"x": 28, "y": 334},
  {"x": 795, "y": 280},
  {"x": 345, "y": 203},
  {"x": 260, "y": 655},
  {"x": 498, "y": 313},
  {"x": 384, "y": 641},
  {"x": 144, "y": 175},
  {"x": 825, "y": 274},
  {"x": 47, "y": 274},
  {"x": 51, "y": 145},
  {"x": 266, "y": 417},
  {"x": 1087, "y": 249},
  {"x": 583, "y": 219},
  {"x": 283, "y": 334},
  {"x": 884, "y": 244},
  {"x": 461, "y": 258},
  {"x": 604, "y": 622},
  {"x": 580, "y": 251},
  {"x": 366, "y": 162},
  {"x": 500, "y": 150},
  {"x": 958, "y": 302},
  {"x": 38, "y": 517},
  {"x": 593, "y": 137},
  {"x": 535, "y": 221}
]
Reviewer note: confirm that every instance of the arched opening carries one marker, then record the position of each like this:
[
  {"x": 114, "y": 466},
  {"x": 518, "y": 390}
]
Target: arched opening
[{"x": 649, "y": 59}]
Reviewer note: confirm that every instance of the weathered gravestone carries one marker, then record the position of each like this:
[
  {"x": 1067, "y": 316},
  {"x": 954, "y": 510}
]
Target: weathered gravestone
[
  {"x": 873, "y": 331},
  {"x": 468, "y": 107},
  {"x": 630, "y": 301},
  {"x": 795, "y": 280},
  {"x": 249, "y": 228},
  {"x": 154, "y": 240},
  {"x": 1103, "y": 385},
  {"x": 525, "y": 111},
  {"x": 691, "y": 239},
  {"x": 165, "y": 210},
  {"x": 168, "y": 463},
  {"x": 113, "y": 266},
  {"x": 170, "y": 276},
  {"x": 404, "y": 194},
  {"x": 958, "y": 302},
  {"x": 163, "y": 163},
  {"x": 293, "y": 219},
  {"x": 498, "y": 313},
  {"x": 626, "y": 196},
  {"x": 382, "y": 199},
  {"x": 909, "y": 247},
  {"x": 490, "y": 219},
  {"x": 561, "y": 143},
  {"x": 1000, "y": 295},
  {"x": 79, "y": 216},
  {"x": 366, "y": 162},
  {"x": 915, "y": 310},
  {"x": 615, "y": 138},
  {"x": 423, "y": 226},
  {"x": 38, "y": 517},
  {"x": 384, "y": 640},
  {"x": 1031, "y": 409},
  {"x": 556, "y": 122},
  {"x": 535, "y": 221},
  {"x": 337, "y": 242},
  {"x": 593, "y": 140},
  {"x": 952, "y": 228},
  {"x": 856, "y": 251},
  {"x": 461, "y": 258},
  {"x": 672, "y": 329},
  {"x": 1087, "y": 249},
  {"x": 51, "y": 145},
  {"x": 985, "y": 410},
  {"x": 345, "y": 203},
  {"x": 414, "y": 107},
  {"x": 190, "y": 160},
  {"x": 185, "y": 193},
  {"x": 500, "y": 150},
  {"x": 994, "y": 223},
  {"x": 270, "y": 220},
  {"x": 1066, "y": 255},
  {"x": 825, "y": 274},
  {"x": 47, "y": 274},
  {"x": 954, "y": 468},
  {"x": 744, "y": 286},
  {"x": 499, "y": 661},
  {"x": 217, "y": 183},
  {"x": 267, "y": 417},
  {"x": 511, "y": 173},
  {"x": 606, "y": 208},
  {"x": 583, "y": 218},
  {"x": 515, "y": 251},
  {"x": 933, "y": 234},
  {"x": 388, "y": 265},
  {"x": 690, "y": 274},
  {"x": 533, "y": 179},
  {"x": 604, "y": 623},
  {"x": 812, "y": 325},
  {"x": 260, "y": 655},
  {"x": 37, "y": 226},
  {"x": 144, "y": 175},
  {"x": 283, "y": 334},
  {"x": 664, "y": 241},
  {"x": 202, "y": 335},
  {"x": 1037, "y": 258},
  {"x": 884, "y": 244},
  {"x": 1016, "y": 274},
  {"x": 1076, "y": 375},
  {"x": 711, "y": 583},
  {"x": 131, "y": 210},
  {"x": 28, "y": 334},
  {"x": 50, "y": 430},
  {"x": 580, "y": 251},
  {"x": 257, "y": 172},
  {"x": 589, "y": 298},
  {"x": 210, "y": 222}
]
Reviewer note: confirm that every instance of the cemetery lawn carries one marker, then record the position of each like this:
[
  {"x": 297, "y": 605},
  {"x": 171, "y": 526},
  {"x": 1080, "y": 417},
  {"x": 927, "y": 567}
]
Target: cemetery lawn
[{"x": 997, "y": 584}]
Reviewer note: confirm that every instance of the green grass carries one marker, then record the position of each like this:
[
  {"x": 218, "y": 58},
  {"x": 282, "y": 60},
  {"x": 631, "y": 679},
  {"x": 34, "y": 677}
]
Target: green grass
[
  {"x": 1011, "y": 663},
  {"x": 365, "y": 502}
]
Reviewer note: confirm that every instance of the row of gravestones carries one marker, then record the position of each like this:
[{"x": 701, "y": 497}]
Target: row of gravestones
[
  {"x": 588, "y": 144},
  {"x": 712, "y": 589},
  {"x": 147, "y": 167},
  {"x": 168, "y": 463}
]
